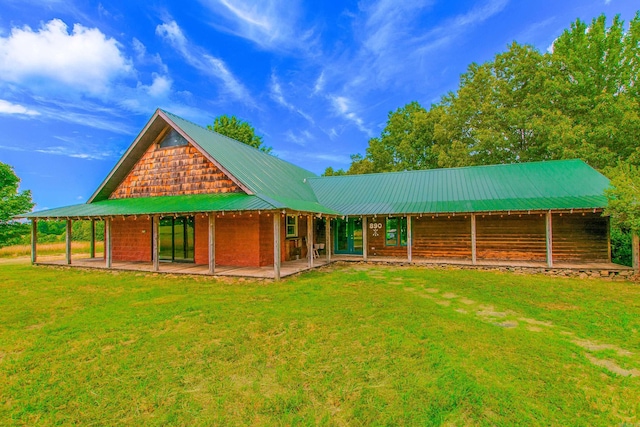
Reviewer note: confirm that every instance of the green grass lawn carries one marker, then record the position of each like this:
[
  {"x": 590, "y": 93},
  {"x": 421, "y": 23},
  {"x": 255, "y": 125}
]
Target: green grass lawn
[{"x": 346, "y": 345}]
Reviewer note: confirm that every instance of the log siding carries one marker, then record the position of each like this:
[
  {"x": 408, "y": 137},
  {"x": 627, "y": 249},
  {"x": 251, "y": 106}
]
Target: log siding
[
  {"x": 580, "y": 237},
  {"x": 511, "y": 237}
]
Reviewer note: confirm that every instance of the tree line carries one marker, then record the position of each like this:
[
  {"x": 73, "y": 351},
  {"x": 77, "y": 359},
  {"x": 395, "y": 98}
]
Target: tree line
[{"x": 580, "y": 99}]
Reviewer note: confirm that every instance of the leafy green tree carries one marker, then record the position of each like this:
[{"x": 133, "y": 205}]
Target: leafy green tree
[
  {"x": 12, "y": 203},
  {"x": 331, "y": 172},
  {"x": 624, "y": 196},
  {"x": 239, "y": 130},
  {"x": 592, "y": 91},
  {"x": 582, "y": 100}
]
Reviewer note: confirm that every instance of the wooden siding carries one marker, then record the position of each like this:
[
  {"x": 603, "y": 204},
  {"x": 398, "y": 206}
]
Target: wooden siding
[
  {"x": 173, "y": 171},
  {"x": 511, "y": 237},
  {"x": 376, "y": 245},
  {"x": 578, "y": 237},
  {"x": 442, "y": 237}
]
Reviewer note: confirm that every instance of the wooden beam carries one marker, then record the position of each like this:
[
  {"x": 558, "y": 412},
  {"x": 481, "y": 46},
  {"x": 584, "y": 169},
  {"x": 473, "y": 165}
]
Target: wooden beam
[
  {"x": 609, "y": 238},
  {"x": 365, "y": 234},
  {"x": 68, "y": 242},
  {"x": 34, "y": 241},
  {"x": 635, "y": 251},
  {"x": 212, "y": 243},
  {"x": 276, "y": 246},
  {"x": 310, "y": 241},
  {"x": 92, "y": 243},
  {"x": 549, "y": 229},
  {"x": 107, "y": 242},
  {"x": 155, "y": 236},
  {"x": 474, "y": 235},
  {"x": 409, "y": 239},
  {"x": 327, "y": 238}
]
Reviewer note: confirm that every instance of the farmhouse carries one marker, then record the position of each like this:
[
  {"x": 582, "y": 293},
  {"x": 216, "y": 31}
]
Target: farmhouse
[{"x": 185, "y": 196}]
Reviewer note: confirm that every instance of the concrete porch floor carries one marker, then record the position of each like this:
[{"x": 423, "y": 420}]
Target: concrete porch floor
[{"x": 287, "y": 268}]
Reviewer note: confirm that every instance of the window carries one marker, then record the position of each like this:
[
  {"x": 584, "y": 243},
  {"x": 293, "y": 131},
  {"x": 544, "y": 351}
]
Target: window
[
  {"x": 396, "y": 232},
  {"x": 292, "y": 226},
  {"x": 173, "y": 139}
]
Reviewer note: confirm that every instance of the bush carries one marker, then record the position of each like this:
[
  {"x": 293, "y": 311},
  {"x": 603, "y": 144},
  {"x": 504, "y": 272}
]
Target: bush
[{"x": 620, "y": 246}]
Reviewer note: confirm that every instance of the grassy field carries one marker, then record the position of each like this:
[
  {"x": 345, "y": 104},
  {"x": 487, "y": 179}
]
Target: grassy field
[
  {"x": 46, "y": 249},
  {"x": 346, "y": 345}
]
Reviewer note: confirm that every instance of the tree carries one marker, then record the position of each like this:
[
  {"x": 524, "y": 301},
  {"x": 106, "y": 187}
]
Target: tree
[
  {"x": 239, "y": 130},
  {"x": 624, "y": 196},
  {"x": 12, "y": 203}
]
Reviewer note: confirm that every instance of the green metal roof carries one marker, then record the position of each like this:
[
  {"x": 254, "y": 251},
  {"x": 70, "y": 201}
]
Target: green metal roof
[
  {"x": 281, "y": 183},
  {"x": 159, "y": 205},
  {"x": 564, "y": 184},
  {"x": 272, "y": 183}
]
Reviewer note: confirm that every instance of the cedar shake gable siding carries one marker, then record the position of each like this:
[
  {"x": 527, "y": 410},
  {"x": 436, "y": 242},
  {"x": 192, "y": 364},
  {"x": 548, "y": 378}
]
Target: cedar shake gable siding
[{"x": 173, "y": 171}]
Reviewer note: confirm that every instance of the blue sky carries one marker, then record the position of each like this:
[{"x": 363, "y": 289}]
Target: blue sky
[{"x": 79, "y": 79}]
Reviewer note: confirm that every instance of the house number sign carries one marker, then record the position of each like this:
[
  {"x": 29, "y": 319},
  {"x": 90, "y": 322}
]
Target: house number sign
[{"x": 375, "y": 226}]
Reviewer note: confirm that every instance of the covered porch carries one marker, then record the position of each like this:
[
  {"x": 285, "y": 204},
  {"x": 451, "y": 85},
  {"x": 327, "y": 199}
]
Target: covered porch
[
  {"x": 226, "y": 235},
  {"x": 287, "y": 268}
]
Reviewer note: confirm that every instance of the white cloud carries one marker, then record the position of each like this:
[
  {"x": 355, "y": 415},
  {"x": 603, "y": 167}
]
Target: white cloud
[
  {"x": 84, "y": 58},
  {"x": 143, "y": 57},
  {"x": 300, "y": 139},
  {"x": 319, "y": 84},
  {"x": 7, "y": 107},
  {"x": 277, "y": 95},
  {"x": 161, "y": 86},
  {"x": 342, "y": 106},
  {"x": 203, "y": 61},
  {"x": 270, "y": 24}
]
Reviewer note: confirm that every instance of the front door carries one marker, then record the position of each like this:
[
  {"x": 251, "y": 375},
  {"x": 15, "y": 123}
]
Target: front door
[
  {"x": 348, "y": 236},
  {"x": 177, "y": 238}
]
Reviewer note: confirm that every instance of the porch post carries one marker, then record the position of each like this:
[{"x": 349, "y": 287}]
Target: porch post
[
  {"x": 34, "y": 241},
  {"x": 68, "y": 242},
  {"x": 212, "y": 243},
  {"x": 409, "y": 239},
  {"x": 327, "y": 238},
  {"x": 365, "y": 234},
  {"x": 549, "y": 240},
  {"x": 107, "y": 242},
  {"x": 635, "y": 251},
  {"x": 276, "y": 245},
  {"x": 92, "y": 243},
  {"x": 608, "y": 238},
  {"x": 474, "y": 251},
  {"x": 310, "y": 241},
  {"x": 155, "y": 233}
]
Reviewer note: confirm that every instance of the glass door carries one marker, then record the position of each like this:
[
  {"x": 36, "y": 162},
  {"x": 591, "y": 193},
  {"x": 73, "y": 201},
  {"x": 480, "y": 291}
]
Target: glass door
[
  {"x": 177, "y": 239},
  {"x": 348, "y": 236}
]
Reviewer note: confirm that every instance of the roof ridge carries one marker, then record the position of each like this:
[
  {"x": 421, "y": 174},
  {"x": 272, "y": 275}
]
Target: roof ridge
[
  {"x": 216, "y": 133},
  {"x": 450, "y": 169},
  {"x": 235, "y": 141}
]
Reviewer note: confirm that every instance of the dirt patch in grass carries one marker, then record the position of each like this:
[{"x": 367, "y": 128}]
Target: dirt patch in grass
[
  {"x": 509, "y": 324},
  {"x": 535, "y": 322},
  {"x": 612, "y": 366},
  {"x": 594, "y": 346}
]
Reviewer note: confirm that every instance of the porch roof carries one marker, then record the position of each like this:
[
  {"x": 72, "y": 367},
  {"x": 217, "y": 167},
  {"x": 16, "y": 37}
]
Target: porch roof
[
  {"x": 224, "y": 202},
  {"x": 555, "y": 185}
]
